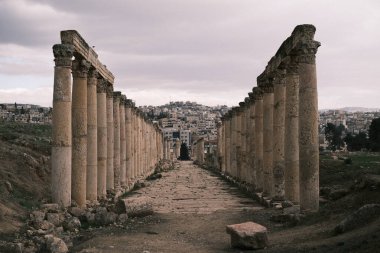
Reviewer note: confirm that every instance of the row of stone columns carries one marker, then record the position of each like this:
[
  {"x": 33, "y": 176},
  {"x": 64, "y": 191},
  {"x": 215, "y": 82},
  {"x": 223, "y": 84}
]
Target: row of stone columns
[
  {"x": 101, "y": 141},
  {"x": 270, "y": 141}
]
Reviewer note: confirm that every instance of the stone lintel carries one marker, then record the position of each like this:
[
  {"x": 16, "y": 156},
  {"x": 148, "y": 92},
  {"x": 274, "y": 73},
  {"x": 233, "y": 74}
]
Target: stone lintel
[
  {"x": 72, "y": 37},
  {"x": 302, "y": 38}
]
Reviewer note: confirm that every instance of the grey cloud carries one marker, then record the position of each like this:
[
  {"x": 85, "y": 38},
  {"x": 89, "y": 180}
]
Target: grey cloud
[{"x": 202, "y": 46}]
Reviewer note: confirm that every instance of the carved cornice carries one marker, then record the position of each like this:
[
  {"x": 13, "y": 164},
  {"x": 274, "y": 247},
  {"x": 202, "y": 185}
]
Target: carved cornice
[
  {"x": 300, "y": 44},
  {"x": 63, "y": 54},
  {"x": 80, "y": 68},
  {"x": 81, "y": 47}
]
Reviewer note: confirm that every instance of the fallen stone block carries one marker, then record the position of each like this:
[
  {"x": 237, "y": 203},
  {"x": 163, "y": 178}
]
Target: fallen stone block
[
  {"x": 248, "y": 235},
  {"x": 55, "y": 244},
  {"x": 135, "y": 206},
  {"x": 359, "y": 218}
]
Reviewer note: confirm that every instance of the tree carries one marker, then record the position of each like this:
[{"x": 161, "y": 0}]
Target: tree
[
  {"x": 356, "y": 142},
  {"x": 374, "y": 134},
  {"x": 333, "y": 136},
  {"x": 184, "y": 152}
]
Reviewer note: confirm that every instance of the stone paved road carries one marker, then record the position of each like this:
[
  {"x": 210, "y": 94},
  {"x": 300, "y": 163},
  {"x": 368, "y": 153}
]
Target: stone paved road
[
  {"x": 192, "y": 208},
  {"x": 190, "y": 189}
]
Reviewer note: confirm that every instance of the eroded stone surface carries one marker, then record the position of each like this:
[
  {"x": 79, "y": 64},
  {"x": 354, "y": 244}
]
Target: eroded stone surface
[{"x": 248, "y": 235}]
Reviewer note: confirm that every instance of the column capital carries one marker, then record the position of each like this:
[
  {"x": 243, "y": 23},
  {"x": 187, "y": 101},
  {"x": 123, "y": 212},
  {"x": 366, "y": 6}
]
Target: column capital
[
  {"x": 265, "y": 83},
  {"x": 93, "y": 73},
  {"x": 63, "y": 53},
  {"x": 305, "y": 51},
  {"x": 109, "y": 90},
  {"x": 123, "y": 100},
  {"x": 279, "y": 77},
  {"x": 251, "y": 97},
  {"x": 129, "y": 103},
  {"x": 92, "y": 77},
  {"x": 291, "y": 65},
  {"x": 101, "y": 86},
  {"x": 81, "y": 68},
  {"x": 257, "y": 93},
  {"x": 116, "y": 96}
]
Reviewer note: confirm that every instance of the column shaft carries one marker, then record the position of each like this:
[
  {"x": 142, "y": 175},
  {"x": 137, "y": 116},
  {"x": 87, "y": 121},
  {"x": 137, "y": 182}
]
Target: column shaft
[
  {"x": 116, "y": 129},
  {"x": 110, "y": 139},
  {"x": 123, "y": 147},
  {"x": 61, "y": 126},
  {"x": 291, "y": 135},
  {"x": 308, "y": 131},
  {"x": 259, "y": 137},
  {"x": 102, "y": 137},
  {"x": 92, "y": 142},
  {"x": 279, "y": 136},
  {"x": 79, "y": 124}
]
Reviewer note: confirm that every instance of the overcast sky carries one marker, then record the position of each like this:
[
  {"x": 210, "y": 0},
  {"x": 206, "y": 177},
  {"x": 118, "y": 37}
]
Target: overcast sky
[{"x": 208, "y": 51}]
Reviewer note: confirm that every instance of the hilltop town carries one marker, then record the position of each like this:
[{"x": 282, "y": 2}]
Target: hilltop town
[
  {"x": 187, "y": 120},
  {"x": 25, "y": 113}
]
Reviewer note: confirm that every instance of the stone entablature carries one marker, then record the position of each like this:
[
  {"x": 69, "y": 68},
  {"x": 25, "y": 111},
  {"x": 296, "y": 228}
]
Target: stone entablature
[{"x": 72, "y": 37}]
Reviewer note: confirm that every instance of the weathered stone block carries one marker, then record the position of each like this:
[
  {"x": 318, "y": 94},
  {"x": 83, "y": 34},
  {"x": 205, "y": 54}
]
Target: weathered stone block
[
  {"x": 55, "y": 244},
  {"x": 248, "y": 235}
]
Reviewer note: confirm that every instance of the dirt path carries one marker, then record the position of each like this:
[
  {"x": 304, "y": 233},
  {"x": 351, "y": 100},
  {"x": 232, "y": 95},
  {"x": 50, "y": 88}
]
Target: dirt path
[{"x": 192, "y": 208}]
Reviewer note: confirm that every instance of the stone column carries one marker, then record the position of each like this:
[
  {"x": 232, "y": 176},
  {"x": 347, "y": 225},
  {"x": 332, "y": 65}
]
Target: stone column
[
  {"x": 239, "y": 142},
  {"x": 165, "y": 148},
  {"x": 61, "y": 127},
  {"x": 79, "y": 124},
  {"x": 92, "y": 137},
  {"x": 279, "y": 135},
  {"x": 177, "y": 148},
  {"x": 201, "y": 150},
  {"x": 223, "y": 144},
  {"x": 116, "y": 131},
  {"x": 110, "y": 138},
  {"x": 267, "y": 86},
  {"x": 308, "y": 121},
  {"x": 102, "y": 137},
  {"x": 228, "y": 144},
  {"x": 234, "y": 142},
  {"x": 258, "y": 94},
  {"x": 251, "y": 129},
  {"x": 128, "y": 126},
  {"x": 245, "y": 146},
  {"x": 291, "y": 133},
  {"x": 219, "y": 145},
  {"x": 123, "y": 145},
  {"x": 133, "y": 145}
]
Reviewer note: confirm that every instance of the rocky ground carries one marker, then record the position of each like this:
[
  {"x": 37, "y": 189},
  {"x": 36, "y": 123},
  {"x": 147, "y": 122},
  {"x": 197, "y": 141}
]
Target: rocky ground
[{"x": 191, "y": 208}]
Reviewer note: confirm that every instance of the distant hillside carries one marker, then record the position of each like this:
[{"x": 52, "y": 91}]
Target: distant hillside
[{"x": 354, "y": 109}]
